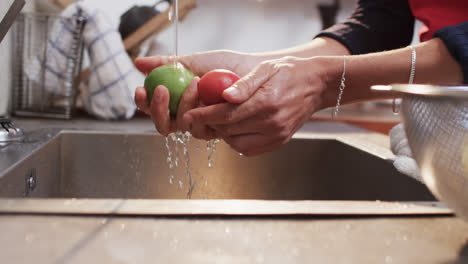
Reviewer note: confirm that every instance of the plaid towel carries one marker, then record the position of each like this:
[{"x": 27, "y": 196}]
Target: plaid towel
[{"x": 112, "y": 79}]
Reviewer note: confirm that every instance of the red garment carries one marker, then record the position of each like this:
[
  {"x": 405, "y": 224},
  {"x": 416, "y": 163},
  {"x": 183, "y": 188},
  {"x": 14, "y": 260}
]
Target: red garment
[{"x": 436, "y": 14}]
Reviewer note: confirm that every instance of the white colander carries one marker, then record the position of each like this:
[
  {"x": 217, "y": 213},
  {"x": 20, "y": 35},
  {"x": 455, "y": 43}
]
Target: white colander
[{"x": 436, "y": 125}]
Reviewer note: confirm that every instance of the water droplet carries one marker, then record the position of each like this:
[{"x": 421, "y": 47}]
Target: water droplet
[
  {"x": 388, "y": 259},
  {"x": 181, "y": 184},
  {"x": 180, "y": 137},
  {"x": 171, "y": 179},
  {"x": 208, "y": 145},
  {"x": 240, "y": 154},
  {"x": 122, "y": 226},
  {"x": 227, "y": 230},
  {"x": 176, "y": 138},
  {"x": 169, "y": 153},
  {"x": 185, "y": 141}
]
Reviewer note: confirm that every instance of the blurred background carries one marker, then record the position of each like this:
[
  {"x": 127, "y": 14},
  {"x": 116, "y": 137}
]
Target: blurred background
[{"x": 244, "y": 25}]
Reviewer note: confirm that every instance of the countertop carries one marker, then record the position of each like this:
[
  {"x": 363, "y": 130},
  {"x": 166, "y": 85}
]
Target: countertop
[{"x": 36, "y": 238}]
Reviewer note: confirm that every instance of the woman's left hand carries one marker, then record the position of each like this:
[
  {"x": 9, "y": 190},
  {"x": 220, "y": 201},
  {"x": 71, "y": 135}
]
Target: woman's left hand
[{"x": 267, "y": 106}]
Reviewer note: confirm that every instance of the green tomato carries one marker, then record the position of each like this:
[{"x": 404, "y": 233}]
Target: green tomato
[{"x": 175, "y": 77}]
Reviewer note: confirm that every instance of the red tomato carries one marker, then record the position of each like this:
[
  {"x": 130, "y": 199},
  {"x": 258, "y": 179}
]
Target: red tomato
[{"x": 212, "y": 85}]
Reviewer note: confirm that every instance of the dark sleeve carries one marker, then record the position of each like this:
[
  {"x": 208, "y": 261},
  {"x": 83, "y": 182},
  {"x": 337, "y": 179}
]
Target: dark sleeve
[
  {"x": 455, "y": 39},
  {"x": 375, "y": 25}
]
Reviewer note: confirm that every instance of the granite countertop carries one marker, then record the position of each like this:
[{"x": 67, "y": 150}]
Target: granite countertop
[{"x": 39, "y": 238}]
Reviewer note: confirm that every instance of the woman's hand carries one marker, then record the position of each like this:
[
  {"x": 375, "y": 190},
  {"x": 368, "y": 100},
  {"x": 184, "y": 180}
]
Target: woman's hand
[
  {"x": 199, "y": 64},
  {"x": 268, "y": 105},
  {"x": 159, "y": 111}
]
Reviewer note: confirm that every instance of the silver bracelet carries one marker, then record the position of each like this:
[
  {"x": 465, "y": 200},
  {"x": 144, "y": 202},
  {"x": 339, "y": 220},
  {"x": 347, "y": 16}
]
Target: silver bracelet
[
  {"x": 340, "y": 94},
  {"x": 411, "y": 78},
  {"x": 413, "y": 65}
]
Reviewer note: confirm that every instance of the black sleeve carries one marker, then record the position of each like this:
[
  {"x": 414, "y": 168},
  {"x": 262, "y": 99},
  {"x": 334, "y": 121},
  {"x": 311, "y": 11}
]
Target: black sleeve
[
  {"x": 455, "y": 39},
  {"x": 375, "y": 25}
]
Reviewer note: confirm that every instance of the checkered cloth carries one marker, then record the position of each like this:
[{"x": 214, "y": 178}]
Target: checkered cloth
[{"x": 109, "y": 89}]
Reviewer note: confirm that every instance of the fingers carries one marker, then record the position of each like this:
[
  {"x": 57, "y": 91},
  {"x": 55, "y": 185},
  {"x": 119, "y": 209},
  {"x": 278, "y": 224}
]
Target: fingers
[
  {"x": 203, "y": 132},
  {"x": 257, "y": 124},
  {"x": 188, "y": 101},
  {"x": 159, "y": 110},
  {"x": 254, "y": 144},
  {"x": 147, "y": 64},
  {"x": 245, "y": 87},
  {"x": 141, "y": 100},
  {"x": 224, "y": 113}
]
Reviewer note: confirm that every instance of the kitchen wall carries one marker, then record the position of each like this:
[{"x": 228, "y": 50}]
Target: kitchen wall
[{"x": 247, "y": 25}]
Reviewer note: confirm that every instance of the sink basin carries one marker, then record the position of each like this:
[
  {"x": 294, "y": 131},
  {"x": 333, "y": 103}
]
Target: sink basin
[
  {"x": 106, "y": 173},
  {"x": 133, "y": 166}
]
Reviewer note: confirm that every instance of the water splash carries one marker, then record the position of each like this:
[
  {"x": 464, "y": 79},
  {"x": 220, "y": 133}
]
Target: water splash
[
  {"x": 181, "y": 184},
  {"x": 176, "y": 139},
  {"x": 185, "y": 140},
  {"x": 179, "y": 139},
  {"x": 212, "y": 147},
  {"x": 169, "y": 154}
]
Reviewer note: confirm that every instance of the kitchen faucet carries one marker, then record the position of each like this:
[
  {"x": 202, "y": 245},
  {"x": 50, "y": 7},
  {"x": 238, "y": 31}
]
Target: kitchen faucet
[{"x": 9, "y": 133}]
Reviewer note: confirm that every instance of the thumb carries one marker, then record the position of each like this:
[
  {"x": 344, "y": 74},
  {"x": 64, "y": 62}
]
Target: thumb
[
  {"x": 245, "y": 87},
  {"x": 147, "y": 64}
]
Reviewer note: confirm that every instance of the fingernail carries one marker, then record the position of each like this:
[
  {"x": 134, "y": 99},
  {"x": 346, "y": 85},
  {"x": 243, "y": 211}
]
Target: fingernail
[
  {"x": 232, "y": 91},
  {"x": 188, "y": 119},
  {"x": 158, "y": 97}
]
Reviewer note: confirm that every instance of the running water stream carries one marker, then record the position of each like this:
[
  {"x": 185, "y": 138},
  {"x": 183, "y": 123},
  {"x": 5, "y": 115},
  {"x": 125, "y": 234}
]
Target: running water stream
[{"x": 179, "y": 137}]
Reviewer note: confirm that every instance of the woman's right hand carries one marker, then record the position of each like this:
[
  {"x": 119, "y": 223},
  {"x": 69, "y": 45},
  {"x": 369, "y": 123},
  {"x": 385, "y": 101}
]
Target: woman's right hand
[{"x": 199, "y": 64}]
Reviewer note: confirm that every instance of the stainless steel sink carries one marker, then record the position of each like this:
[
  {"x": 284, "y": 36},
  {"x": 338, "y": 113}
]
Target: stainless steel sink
[
  {"x": 106, "y": 173},
  {"x": 111, "y": 165}
]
